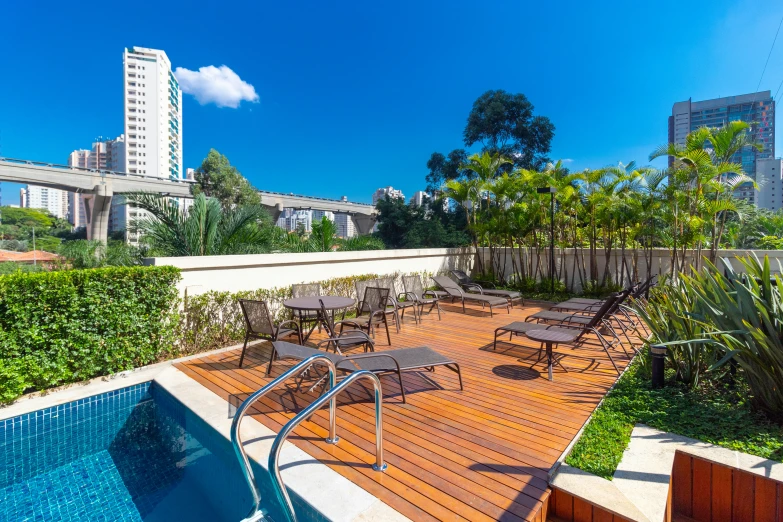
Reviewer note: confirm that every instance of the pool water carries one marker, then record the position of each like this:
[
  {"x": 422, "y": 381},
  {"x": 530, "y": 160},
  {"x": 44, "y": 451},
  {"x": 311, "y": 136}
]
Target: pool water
[{"x": 134, "y": 454}]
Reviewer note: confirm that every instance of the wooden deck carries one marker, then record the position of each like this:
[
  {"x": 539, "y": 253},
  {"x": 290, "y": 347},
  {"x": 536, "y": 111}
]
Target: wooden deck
[{"x": 479, "y": 454}]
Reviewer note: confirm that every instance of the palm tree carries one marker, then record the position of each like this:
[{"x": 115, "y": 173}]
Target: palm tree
[{"x": 204, "y": 229}]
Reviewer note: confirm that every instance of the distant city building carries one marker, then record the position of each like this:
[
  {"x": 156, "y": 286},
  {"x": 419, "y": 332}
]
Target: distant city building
[
  {"x": 54, "y": 201},
  {"x": 420, "y": 198},
  {"x": 317, "y": 215},
  {"x": 381, "y": 193},
  {"x": 769, "y": 177},
  {"x": 300, "y": 220},
  {"x": 758, "y": 109},
  {"x": 104, "y": 155},
  {"x": 153, "y": 125},
  {"x": 345, "y": 226}
]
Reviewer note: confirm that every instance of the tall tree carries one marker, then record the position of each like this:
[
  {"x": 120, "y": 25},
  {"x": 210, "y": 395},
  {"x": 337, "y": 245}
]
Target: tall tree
[
  {"x": 217, "y": 178},
  {"x": 444, "y": 168},
  {"x": 504, "y": 124}
]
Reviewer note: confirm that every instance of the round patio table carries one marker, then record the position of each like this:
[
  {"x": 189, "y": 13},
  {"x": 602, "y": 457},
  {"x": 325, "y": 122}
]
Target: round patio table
[
  {"x": 550, "y": 337},
  {"x": 312, "y": 304}
]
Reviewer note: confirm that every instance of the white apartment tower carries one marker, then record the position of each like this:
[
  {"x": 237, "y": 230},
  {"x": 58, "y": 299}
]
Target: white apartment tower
[
  {"x": 769, "y": 177},
  {"x": 420, "y": 198},
  {"x": 153, "y": 114},
  {"x": 54, "y": 201},
  {"x": 381, "y": 193},
  {"x": 104, "y": 155},
  {"x": 153, "y": 124}
]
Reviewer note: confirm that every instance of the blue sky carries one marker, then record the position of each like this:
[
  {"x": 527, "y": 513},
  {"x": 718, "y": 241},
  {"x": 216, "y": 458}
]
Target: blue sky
[{"x": 353, "y": 96}]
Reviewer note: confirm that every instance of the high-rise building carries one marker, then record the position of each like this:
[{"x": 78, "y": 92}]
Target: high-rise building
[
  {"x": 153, "y": 125},
  {"x": 769, "y": 178},
  {"x": 381, "y": 193},
  {"x": 758, "y": 109},
  {"x": 345, "y": 225},
  {"x": 300, "y": 220},
  {"x": 54, "y": 201},
  {"x": 419, "y": 198},
  {"x": 104, "y": 155}
]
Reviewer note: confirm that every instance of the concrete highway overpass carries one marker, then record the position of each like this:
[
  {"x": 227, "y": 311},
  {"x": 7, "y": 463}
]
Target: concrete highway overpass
[
  {"x": 362, "y": 214},
  {"x": 98, "y": 186}
]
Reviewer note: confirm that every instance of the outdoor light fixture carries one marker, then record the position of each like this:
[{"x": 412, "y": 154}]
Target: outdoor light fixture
[{"x": 551, "y": 191}]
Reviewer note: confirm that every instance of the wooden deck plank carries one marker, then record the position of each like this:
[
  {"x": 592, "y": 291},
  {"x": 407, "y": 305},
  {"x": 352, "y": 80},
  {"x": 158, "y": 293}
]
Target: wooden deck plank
[{"x": 479, "y": 454}]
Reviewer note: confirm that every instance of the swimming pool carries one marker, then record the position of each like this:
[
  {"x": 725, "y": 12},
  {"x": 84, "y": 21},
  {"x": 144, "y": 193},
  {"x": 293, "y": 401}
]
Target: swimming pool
[{"x": 133, "y": 454}]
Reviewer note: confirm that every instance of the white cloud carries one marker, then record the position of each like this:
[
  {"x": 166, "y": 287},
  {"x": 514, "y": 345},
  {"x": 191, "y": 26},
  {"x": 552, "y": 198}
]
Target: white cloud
[
  {"x": 218, "y": 85},
  {"x": 567, "y": 160}
]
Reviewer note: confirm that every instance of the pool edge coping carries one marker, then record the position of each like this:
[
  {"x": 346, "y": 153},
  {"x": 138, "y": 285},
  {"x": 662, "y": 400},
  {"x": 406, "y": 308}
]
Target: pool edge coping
[{"x": 321, "y": 487}]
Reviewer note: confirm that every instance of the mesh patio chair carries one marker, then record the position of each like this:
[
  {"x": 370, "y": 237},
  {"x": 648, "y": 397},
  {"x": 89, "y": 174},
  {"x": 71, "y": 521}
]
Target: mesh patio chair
[
  {"x": 455, "y": 292},
  {"x": 374, "y": 305},
  {"x": 361, "y": 286},
  {"x": 260, "y": 325},
  {"x": 414, "y": 290},
  {"x": 344, "y": 340},
  {"x": 306, "y": 290},
  {"x": 395, "y": 303},
  {"x": 486, "y": 288}
]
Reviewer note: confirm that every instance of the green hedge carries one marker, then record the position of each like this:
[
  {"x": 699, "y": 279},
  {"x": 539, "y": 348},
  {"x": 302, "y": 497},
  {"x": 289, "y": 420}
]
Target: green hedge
[{"x": 68, "y": 326}]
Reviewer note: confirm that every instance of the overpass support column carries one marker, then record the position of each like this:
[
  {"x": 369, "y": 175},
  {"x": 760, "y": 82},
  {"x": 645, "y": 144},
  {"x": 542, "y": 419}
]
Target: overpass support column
[
  {"x": 363, "y": 223},
  {"x": 97, "y": 207},
  {"x": 274, "y": 211}
]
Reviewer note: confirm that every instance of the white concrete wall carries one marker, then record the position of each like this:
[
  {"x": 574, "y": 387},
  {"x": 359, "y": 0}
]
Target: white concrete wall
[
  {"x": 661, "y": 261},
  {"x": 251, "y": 272}
]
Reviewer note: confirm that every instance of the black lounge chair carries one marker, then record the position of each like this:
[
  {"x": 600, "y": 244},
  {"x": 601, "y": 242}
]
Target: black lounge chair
[
  {"x": 486, "y": 288},
  {"x": 636, "y": 291},
  {"x": 455, "y": 292},
  {"x": 414, "y": 290},
  {"x": 571, "y": 333},
  {"x": 389, "y": 361},
  {"x": 260, "y": 325},
  {"x": 609, "y": 316}
]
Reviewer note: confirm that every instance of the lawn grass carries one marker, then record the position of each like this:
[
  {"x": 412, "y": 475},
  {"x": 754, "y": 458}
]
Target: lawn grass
[{"x": 716, "y": 413}]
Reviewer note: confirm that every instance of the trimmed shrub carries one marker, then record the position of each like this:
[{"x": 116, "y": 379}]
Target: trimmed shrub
[{"x": 68, "y": 326}]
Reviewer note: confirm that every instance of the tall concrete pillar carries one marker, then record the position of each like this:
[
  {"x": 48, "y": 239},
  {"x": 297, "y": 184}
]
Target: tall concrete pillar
[
  {"x": 274, "y": 211},
  {"x": 97, "y": 207},
  {"x": 363, "y": 223}
]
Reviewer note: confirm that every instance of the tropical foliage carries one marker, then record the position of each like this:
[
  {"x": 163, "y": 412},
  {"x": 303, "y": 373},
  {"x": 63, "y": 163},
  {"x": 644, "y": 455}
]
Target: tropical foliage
[
  {"x": 715, "y": 321},
  {"x": 203, "y": 229},
  {"x": 624, "y": 209}
]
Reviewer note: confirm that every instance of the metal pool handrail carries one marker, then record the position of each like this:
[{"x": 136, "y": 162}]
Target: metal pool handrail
[
  {"x": 274, "y": 453},
  {"x": 236, "y": 440}
]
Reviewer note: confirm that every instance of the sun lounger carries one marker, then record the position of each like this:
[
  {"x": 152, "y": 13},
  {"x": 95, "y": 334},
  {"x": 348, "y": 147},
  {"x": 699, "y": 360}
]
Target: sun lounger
[
  {"x": 389, "y": 361},
  {"x": 455, "y": 292},
  {"x": 471, "y": 286}
]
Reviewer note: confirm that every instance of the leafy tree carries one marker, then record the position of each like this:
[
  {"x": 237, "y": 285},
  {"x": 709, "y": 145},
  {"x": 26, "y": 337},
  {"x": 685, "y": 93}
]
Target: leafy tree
[
  {"x": 29, "y": 217},
  {"x": 217, "y": 178},
  {"x": 504, "y": 124},
  {"x": 443, "y": 168},
  {"x": 204, "y": 229},
  {"x": 410, "y": 226}
]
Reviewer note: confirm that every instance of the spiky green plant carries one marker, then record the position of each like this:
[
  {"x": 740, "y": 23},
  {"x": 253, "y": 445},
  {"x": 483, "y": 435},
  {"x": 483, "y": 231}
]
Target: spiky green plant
[
  {"x": 746, "y": 313},
  {"x": 670, "y": 319},
  {"x": 204, "y": 229}
]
